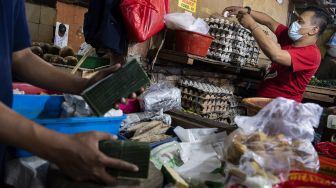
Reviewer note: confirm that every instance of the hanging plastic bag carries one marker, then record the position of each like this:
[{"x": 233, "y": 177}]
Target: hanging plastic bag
[
  {"x": 144, "y": 18},
  {"x": 283, "y": 116},
  {"x": 275, "y": 141}
]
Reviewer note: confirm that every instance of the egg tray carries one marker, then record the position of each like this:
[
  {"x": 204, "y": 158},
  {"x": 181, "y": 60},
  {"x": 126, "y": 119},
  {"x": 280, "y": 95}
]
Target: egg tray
[
  {"x": 205, "y": 96},
  {"x": 232, "y": 44},
  {"x": 200, "y": 109},
  {"x": 203, "y": 88},
  {"x": 205, "y": 102}
]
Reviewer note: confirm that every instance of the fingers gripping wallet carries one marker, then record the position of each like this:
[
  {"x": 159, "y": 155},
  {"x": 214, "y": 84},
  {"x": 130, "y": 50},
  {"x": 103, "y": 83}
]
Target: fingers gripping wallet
[
  {"x": 102, "y": 96},
  {"x": 137, "y": 153}
]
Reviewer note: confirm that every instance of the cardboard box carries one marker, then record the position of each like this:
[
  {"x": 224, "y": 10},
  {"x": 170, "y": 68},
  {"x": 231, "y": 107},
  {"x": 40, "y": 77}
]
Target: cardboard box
[
  {"x": 33, "y": 30},
  {"x": 33, "y": 12},
  {"x": 48, "y": 16},
  {"x": 46, "y": 33}
]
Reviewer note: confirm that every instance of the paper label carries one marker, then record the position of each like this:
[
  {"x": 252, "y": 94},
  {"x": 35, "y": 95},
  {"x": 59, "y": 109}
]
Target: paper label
[{"x": 189, "y": 5}]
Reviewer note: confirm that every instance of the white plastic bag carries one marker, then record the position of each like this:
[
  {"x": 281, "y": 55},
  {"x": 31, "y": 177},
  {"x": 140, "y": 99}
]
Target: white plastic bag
[
  {"x": 176, "y": 21},
  {"x": 275, "y": 141},
  {"x": 193, "y": 135},
  {"x": 185, "y": 21},
  {"x": 283, "y": 116}
]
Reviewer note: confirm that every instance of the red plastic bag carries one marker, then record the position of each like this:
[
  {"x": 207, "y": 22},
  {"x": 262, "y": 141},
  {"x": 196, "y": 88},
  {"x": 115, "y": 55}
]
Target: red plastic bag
[
  {"x": 327, "y": 148},
  {"x": 143, "y": 18},
  {"x": 300, "y": 179}
]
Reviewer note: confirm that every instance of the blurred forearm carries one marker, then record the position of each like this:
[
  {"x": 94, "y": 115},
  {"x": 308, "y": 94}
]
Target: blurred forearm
[{"x": 32, "y": 69}]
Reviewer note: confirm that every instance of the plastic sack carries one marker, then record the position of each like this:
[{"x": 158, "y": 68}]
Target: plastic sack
[
  {"x": 144, "y": 18},
  {"x": 185, "y": 21},
  {"x": 283, "y": 116},
  {"x": 275, "y": 141},
  {"x": 161, "y": 96},
  {"x": 270, "y": 157},
  {"x": 194, "y": 135}
]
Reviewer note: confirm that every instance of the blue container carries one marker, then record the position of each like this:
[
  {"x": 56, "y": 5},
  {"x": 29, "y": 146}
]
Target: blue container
[{"x": 46, "y": 110}]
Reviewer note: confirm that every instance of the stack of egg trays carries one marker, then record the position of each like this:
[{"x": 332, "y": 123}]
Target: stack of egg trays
[
  {"x": 204, "y": 99},
  {"x": 233, "y": 43}
]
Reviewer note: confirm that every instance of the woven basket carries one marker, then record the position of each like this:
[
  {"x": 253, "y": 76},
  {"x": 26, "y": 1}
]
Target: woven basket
[{"x": 255, "y": 104}]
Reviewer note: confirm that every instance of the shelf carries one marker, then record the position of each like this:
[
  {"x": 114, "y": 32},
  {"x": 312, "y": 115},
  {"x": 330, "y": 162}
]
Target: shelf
[{"x": 183, "y": 58}]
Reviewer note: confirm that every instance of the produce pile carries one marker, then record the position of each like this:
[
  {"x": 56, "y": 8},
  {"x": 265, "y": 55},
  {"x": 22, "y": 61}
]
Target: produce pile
[
  {"x": 233, "y": 43},
  {"x": 209, "y": 101},
  {"x": 54, "y": 54},
  {"x": 323, "y": 83}
]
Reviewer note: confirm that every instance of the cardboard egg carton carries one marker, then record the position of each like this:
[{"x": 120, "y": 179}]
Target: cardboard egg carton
[{"x": 233, "y": 43}]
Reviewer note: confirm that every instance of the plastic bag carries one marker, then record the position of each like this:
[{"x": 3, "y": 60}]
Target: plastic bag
[
  {"x": 193, "y": 135},
  {"x": 270, "y": 157},
  {"x": 275, "y": 141},
  {"x": 185, "y": 21},
  {"x": 283, "y": 116},
  {"x": 161, "y": 96},
  {"x": 144, "y": 18}
]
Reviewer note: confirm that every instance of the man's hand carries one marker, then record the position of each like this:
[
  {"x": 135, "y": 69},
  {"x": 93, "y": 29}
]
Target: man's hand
[
  {"x": 234, "y": 10},
  {"x": 80, "y": 158},
  {"x": 104, "y": 73},
  {"x": 246, "y": 20},
  {"x": 101, "y": 75}
]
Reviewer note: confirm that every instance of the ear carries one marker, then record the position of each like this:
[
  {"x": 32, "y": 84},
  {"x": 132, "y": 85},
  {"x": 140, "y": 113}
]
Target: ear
[{"x": 314, "y": 31}]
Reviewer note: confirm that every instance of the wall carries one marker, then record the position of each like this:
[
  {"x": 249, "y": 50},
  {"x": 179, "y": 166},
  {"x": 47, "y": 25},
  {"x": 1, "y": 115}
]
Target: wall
[
  {"x": 207, "y": 7},
  {"x": 321, "y": 43},
  {"x": 74, "y": 16},
  {"x": 41, "y": 20},
  {"x": 277, "y": 11}
]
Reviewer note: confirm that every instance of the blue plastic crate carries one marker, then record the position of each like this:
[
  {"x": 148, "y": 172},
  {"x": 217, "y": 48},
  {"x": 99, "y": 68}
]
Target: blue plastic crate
[{"x": 46, "y": 110}]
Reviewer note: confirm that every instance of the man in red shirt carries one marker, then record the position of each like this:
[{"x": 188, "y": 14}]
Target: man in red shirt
[{"x": 297, "y": 58}]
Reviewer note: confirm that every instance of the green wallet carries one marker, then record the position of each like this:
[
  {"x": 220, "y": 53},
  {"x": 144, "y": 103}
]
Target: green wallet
[{"x": 137, "y": 153}]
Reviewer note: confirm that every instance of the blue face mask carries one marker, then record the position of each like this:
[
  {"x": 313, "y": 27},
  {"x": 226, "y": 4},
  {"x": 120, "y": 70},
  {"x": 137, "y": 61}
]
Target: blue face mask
[{"x": 293, "y": 31}]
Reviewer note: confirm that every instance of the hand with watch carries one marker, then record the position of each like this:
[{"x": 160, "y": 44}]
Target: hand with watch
[{"x": 235, "y": 10}]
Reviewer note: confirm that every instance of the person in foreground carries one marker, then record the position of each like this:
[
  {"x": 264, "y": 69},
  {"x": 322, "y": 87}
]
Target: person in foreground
[
  {"x": 77, "y": 155},
  {"x": 295, "y": 58}
]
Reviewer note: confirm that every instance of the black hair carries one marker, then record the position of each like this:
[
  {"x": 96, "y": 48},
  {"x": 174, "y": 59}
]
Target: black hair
[
  {"x": 321, "y": 17},
  {"x": 62, "y": 28}
]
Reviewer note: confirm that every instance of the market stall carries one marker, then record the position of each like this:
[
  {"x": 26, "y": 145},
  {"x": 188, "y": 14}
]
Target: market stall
[{"x": 189, "y": 112}]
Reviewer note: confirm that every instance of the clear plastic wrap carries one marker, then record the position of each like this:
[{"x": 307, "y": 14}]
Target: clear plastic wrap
[
  {"x": 283, "y": 116},
  {"x": 161, "y": 96},
  {"x": 275, "y": 141}
]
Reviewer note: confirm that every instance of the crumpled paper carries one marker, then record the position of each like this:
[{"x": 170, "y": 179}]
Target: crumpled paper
[{"x": 196, "y": 153}]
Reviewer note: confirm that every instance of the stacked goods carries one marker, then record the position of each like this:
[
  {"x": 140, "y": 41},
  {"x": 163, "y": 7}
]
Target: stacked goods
[
  {"x": 150, "y": 132},
  {"x": 54, "y": 54},
  {"x": 209, "y": 101},
  {"x": 233, "y": 43}
]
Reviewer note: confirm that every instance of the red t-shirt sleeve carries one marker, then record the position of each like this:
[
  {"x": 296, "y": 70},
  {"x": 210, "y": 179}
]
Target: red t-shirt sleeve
[
  {"x": 282, "y": 35},
  {"x": 304, "y": 58}
]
